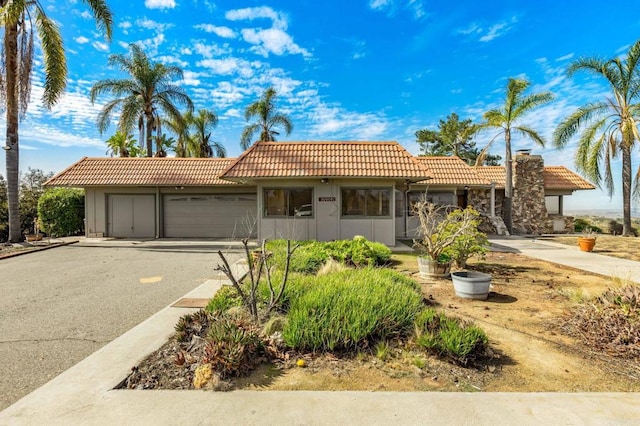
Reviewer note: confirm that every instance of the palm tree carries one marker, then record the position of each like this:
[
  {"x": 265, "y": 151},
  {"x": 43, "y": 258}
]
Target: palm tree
[
  {"x": 16, "y": 64},
  {"x": 150, "y": 90},
  {"x": 178, "y": 126},
  {"x": 200, "y": 126},
  {"x": 267, "y": 116},
  {"x": 610, "y": 126},
  {"x": 163, "y": 144},
  {"x": 506, "y": 119},
  {"x": 123, "y": 145}
]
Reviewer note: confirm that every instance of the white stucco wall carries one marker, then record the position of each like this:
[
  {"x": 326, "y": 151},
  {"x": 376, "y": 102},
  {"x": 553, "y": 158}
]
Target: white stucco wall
[{"x": 326, "y": 224}]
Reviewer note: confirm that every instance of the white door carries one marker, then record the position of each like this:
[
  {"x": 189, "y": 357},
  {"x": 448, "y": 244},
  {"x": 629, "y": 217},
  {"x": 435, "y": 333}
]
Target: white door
[
  {"x": 210, "y": 216},
  {"x": 132, "y": 216}
]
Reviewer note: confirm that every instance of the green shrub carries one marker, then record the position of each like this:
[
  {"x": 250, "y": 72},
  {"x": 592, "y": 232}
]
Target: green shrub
[
  {"x": 450, "y": 337},
  {"x": 358, "y": 252},
  {"x": 61, "y": 211},
  {"x": 307, "y": 259},
  {"x": 580, "y": 224},
  {"x": 225, "y": 298},
  {"x": 233, "y": 346},
  {"x": 347, "y": 309}
]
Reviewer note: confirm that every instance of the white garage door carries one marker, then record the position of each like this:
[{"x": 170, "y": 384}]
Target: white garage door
[
  {"x": 210, "y": 215},
  {"x": 132, "y": 216}
]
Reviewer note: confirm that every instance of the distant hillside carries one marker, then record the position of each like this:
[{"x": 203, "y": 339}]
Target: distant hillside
[{"x": 608, "y": 213}]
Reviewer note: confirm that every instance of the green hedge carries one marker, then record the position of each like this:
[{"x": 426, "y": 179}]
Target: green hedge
[
  {"x": 61, "y": 211},
  {"x": 348, "y": 308}
]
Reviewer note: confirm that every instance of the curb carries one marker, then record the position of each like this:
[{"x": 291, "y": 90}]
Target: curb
[{"x": 37, "y": 249}]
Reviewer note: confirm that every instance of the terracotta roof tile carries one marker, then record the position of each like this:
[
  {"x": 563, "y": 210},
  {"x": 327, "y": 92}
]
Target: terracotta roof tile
[
  {"x": 143, "y": 172},
  {"x": 555, "y": 177},
  {"x": 326, "y": 159},
  {"x": 559, "y": 177},
  {"x": 451, "y": 171}
]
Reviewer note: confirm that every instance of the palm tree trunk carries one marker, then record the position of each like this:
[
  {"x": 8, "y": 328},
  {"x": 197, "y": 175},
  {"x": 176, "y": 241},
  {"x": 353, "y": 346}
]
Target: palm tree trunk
[
  {"x": 508, "y": 185},
  {"x": 626, "y": 191},
  {"x": 148, "y": 130},
  {"x": 11, "y": 145}
]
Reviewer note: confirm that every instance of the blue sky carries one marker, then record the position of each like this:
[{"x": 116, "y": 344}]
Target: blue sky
[{"x": 345, "y": 70}]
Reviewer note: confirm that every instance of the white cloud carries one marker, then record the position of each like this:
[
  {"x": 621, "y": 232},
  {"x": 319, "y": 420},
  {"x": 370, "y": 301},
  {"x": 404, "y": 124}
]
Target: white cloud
[
  {"x": 490, "y": 33},
  {"x": 125, "y": 25},
  {"x": 379, "y": 4},
  {"x": 456, "y": 91},
  {"x": 149, "y": 24},
  {"x": 565, "y": 57},
  {"x": 81, "y": 40},
  {"x": 191, "y": 78},
  {"x": 86, "y": 15},
  {"x": 101, "y": 46},
  {"x": 224, "y": 32},
  {"x": 226, "y": 66},
  {"x": 233, "y": 113},
  {"x": 271, "y": 40},
  {"x": 159, "y": 4},
  {"x": 209, "y": 50},
  {"x": 495, "y": 31},
  {"x": 471, "y": 29},
  {"x": 251, "y": 13}
]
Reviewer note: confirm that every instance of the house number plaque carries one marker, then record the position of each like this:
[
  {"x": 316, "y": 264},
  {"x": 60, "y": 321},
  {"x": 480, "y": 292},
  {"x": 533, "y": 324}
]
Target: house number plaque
[{"x": 324, "y": 199}]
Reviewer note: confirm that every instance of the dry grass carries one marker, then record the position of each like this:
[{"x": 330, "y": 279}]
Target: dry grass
[{"x": 609, "y": 245}]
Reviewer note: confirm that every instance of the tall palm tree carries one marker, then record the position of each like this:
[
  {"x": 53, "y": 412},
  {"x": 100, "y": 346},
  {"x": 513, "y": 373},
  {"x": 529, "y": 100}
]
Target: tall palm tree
[
  {"x": 610, "y": 126},
  {"x": 140, "y": 98},
  {"x": 267, "y": 117},
  {"x": 200, "y": 126},
  {"x": 21, "y": 21},
  {"x": 506, "y": 119},
  {"x": 122, "y": 145}
]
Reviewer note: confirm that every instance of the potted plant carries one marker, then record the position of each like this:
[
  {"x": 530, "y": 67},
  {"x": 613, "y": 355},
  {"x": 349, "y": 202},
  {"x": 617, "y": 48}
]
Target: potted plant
[
  {"x": 438, "y": 231},
  {"x": 588, "y": 239}
]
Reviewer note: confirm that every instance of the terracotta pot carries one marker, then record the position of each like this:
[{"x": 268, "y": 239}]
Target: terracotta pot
[
  {"x": 430, "y": 268},
  {"x": 586, "y": 243}
]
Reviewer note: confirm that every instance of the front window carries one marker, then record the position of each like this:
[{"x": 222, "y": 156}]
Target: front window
[
  {"x": 288, "y": 202},
  {"x": 446, "y": 199},
  {"x": 366, "y": 202}
]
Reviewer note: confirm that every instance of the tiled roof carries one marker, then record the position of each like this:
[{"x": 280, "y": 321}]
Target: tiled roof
[
  {"x": 555, "y": 177},
  {"x": 143, "y": 172},
  {"x": 452, "y": 171},
  {"x": 492, "y": 174},
  {"x": 326, "y": 159},
  {"x": 559, "y": 177}
]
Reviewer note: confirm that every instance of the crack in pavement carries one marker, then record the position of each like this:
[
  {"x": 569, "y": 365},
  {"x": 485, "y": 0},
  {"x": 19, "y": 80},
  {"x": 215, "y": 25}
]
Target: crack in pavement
[{"x": 54, "y": 340}]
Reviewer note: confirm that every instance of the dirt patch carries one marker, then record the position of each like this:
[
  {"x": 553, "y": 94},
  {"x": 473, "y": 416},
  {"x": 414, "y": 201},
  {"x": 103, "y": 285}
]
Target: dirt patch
[
  {"x": 523, "y": 316},
  {"x": 608, "y": 245}
]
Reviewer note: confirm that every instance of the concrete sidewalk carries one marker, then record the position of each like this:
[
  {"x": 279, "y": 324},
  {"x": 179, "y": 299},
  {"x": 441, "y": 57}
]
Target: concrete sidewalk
[
  {"x": 562, "y": 254},
  {"x": 84, "y": 393}
]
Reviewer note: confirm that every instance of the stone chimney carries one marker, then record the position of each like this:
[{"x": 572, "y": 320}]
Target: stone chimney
[{"x": 529, "y": 211}]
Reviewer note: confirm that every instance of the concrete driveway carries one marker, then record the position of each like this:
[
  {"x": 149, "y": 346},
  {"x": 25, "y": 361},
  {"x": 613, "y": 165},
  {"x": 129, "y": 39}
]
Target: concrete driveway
[{"x": 60, "y": 305}]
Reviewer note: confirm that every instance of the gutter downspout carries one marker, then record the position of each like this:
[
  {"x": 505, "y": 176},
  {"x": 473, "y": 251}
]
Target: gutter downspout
[{"x": 157, "y": 212}]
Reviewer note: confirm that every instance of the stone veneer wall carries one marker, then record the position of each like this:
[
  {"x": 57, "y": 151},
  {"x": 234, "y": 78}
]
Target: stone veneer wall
[
  {"x": 480, "y": 199},
  {"x": 529, "y": 212}
]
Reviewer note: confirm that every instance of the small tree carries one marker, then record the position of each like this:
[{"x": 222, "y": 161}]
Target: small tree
[
  {"x": 447, "y": 236},
  {"x": 61, "y": 211},
  {"x": 31, "y": 189}
]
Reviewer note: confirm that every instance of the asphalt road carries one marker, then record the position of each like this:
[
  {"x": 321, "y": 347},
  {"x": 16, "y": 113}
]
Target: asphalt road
[{"x": 60, "y": 305}]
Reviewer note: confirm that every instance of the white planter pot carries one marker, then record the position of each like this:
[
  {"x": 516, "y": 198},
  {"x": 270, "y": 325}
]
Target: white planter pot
[
  {"x": 471, "y": 284},
  {"x": 429, "y": 268}
]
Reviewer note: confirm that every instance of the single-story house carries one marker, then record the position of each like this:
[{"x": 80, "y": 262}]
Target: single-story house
[{"x": 299, "y": 190}]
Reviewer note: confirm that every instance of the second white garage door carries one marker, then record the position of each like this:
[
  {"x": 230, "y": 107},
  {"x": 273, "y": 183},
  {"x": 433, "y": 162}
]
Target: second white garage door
[{"x": 209, "y": 216}]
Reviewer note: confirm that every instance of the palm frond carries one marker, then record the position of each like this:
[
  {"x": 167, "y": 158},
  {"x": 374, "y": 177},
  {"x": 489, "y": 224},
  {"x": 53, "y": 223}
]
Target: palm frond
[
  {"x": 55, "y": 63},
  {"x": 528, "y": 132},
  {"x": 247, "y": 135},
  {"x": 102, "y": 15},
  {"x": 570, "y": 125}
]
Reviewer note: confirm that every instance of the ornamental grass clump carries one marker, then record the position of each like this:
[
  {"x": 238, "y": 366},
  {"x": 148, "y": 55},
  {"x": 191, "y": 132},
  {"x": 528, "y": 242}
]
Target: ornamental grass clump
[
  {"x": 452, "y": 338},
  {"x": 609, "y": 323},
  {"x": 351, "y": 308}
]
